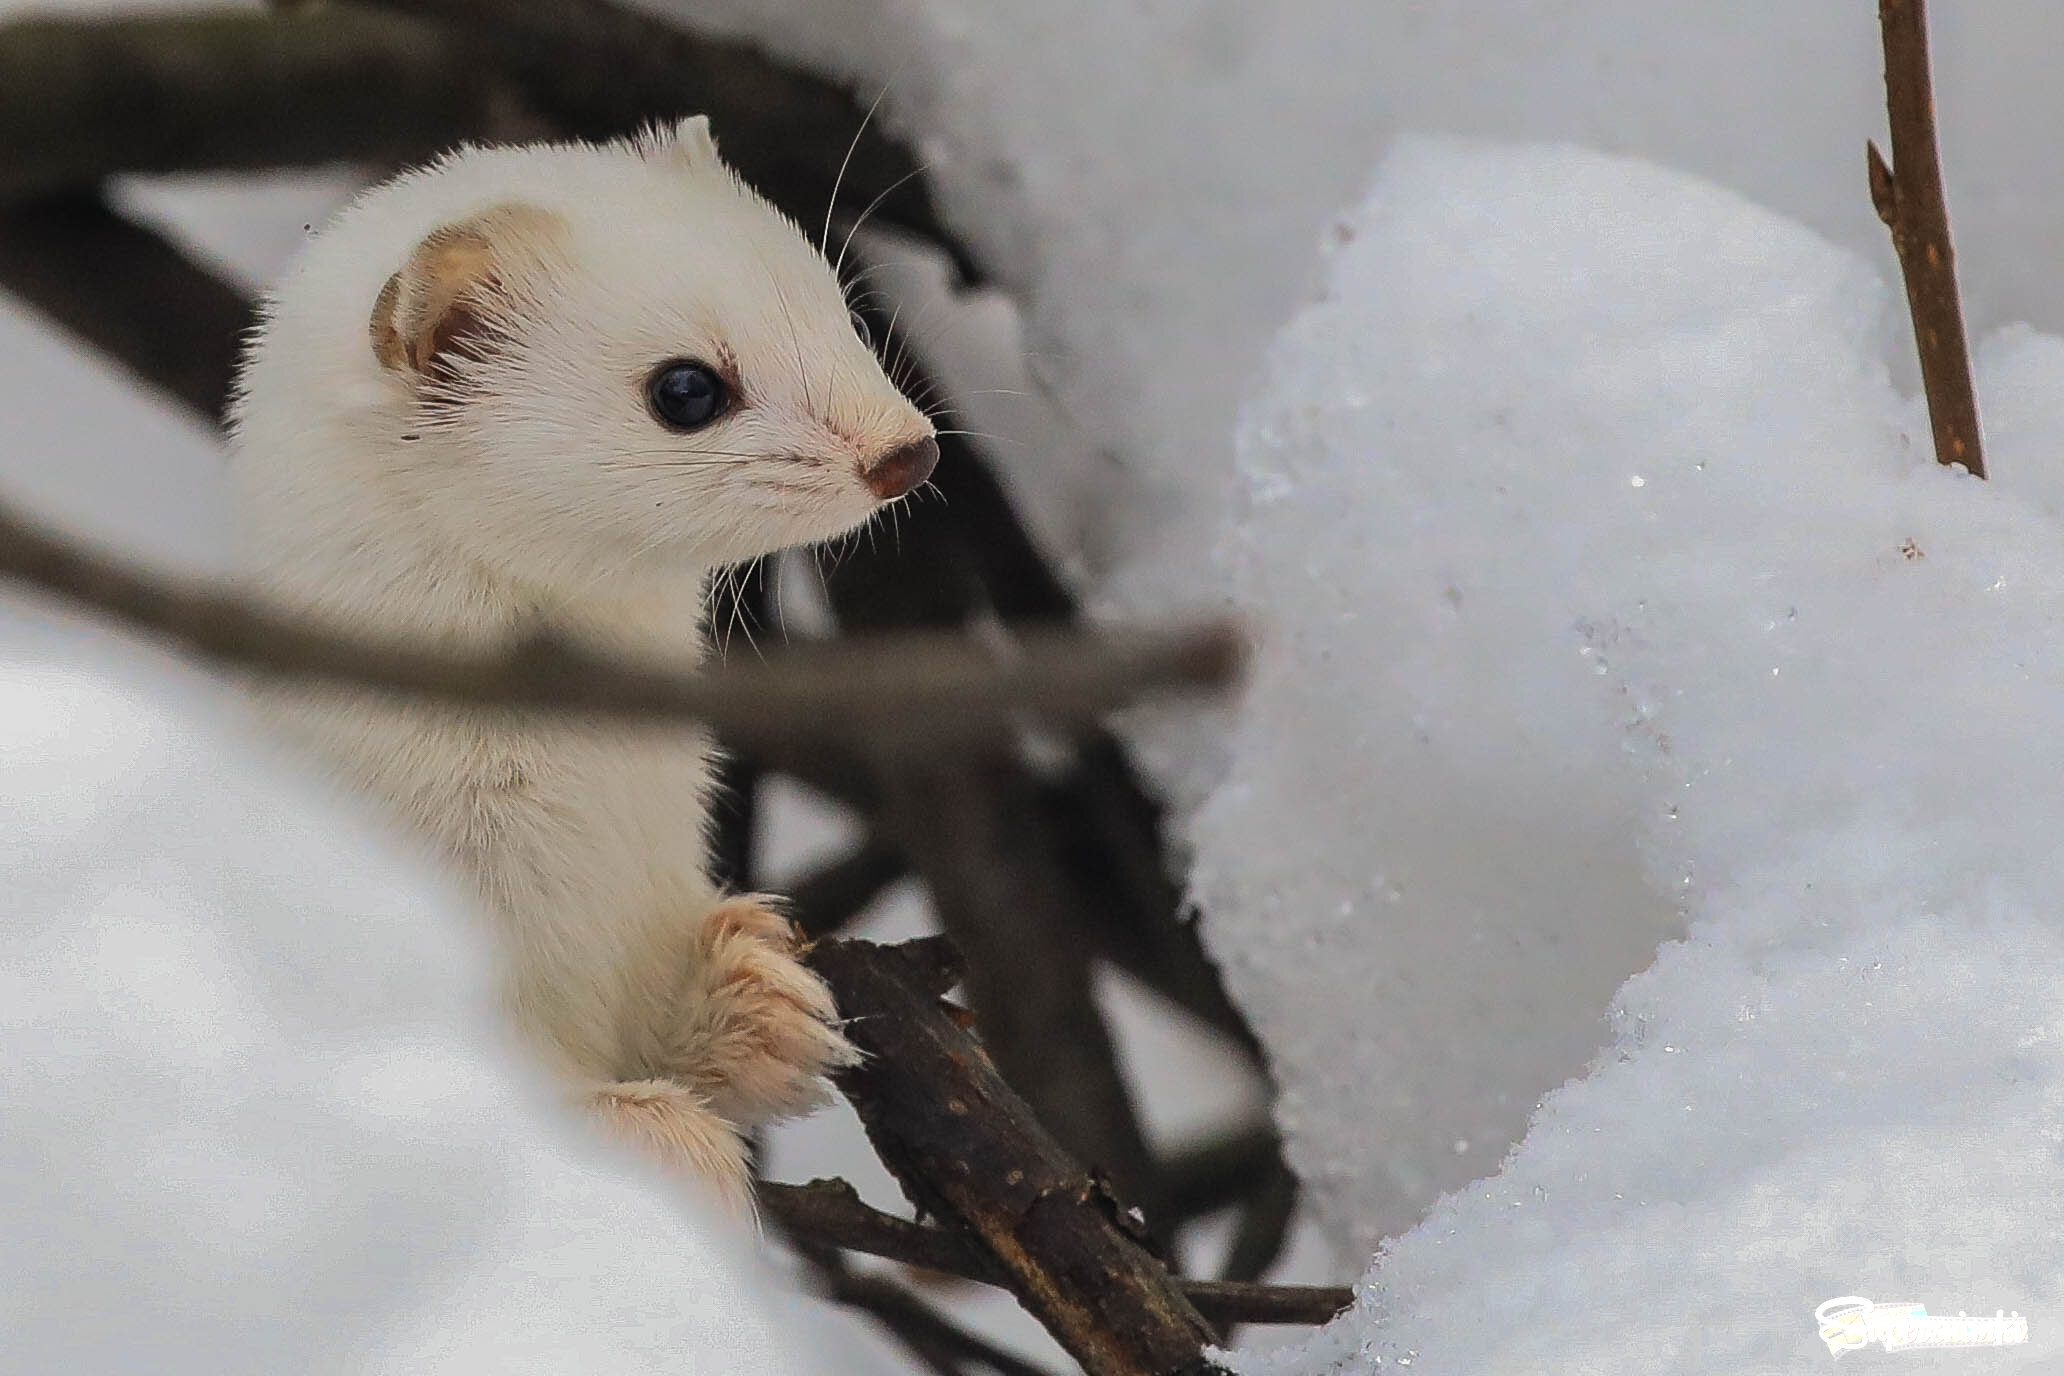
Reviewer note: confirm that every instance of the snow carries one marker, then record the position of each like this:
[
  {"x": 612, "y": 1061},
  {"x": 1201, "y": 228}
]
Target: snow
[
  {"x": 254, "y": 1112},
  {"x": 1612, "y": 585}
]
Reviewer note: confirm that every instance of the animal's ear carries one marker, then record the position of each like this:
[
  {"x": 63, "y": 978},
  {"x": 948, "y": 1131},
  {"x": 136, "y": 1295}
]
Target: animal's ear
[
  {"x": 694, "y": 145},
  {"x": 452, "y": 295}
]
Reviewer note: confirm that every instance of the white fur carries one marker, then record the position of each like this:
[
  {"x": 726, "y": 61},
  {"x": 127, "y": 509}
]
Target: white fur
[{"x": 548, "y": 493}]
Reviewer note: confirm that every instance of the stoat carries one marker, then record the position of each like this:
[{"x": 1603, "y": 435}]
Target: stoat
[{"x": 555, "y": 386}]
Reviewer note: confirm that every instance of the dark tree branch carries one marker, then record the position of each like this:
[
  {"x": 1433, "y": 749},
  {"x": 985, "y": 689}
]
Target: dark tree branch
[
  {"x": 1264, "y": 1225},
  {"x": 824, "y": 900},
  {"x": 1031, "y": 875},
  {"x": 1107, "y": 829},
  {"x": 600, "y": 70},
  {"x": 85, "y": 99},
  {"x": 970, "y": 1152},
  {"x": 940, "y": 1344},
  {"x": 970, "y": 827},
  {"x": 1223, "y": 1170},
  {"x": 830, "y": 1212},
  {"x": 738, "y": 608},
  {"x": 1909, "y": 198},
  {"x": 968, "y": 556},
  {"x": 128, "y": 293}
]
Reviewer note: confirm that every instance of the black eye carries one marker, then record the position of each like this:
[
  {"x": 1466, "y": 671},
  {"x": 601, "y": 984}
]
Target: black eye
[
  {"x": 860, "y": 328},
  {"x": 686, "y": 395}
]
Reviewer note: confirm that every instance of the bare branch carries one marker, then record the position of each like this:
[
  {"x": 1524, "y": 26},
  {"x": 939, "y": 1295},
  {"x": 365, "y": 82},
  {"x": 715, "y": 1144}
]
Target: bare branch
[
  {"x": 890, "y": 694},
  {"x": 824, "y": 900},
  {"x": 970, "y": 1152},
  {"x": 128, "y": 293},
  {"x": 84, "y": 99},
  {"x": 941, "y": 1345},
  {"x": 1264, "y": 1225},
  {"x": 1908, "y": 197},
  {"x": 599, "y": 70},
  {"x": 830, "y": 1211},
  {"x": 969, "y": 824},
  {"x": 1223, "y": 1170},
  {"x": 940, "y": 1342}
]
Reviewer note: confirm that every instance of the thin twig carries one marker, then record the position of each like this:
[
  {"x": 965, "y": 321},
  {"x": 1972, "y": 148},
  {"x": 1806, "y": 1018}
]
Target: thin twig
[
  {"x": 890, "y": 694},
  {"x": 831, "y": 1211},
  {"x": 1908, "y": 197}
]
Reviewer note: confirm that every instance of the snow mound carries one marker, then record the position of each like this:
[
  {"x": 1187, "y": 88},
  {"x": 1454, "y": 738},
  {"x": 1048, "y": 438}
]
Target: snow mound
[
  {"x": 254, "y": 1116},
  {"x": 1599, "y": 552}
]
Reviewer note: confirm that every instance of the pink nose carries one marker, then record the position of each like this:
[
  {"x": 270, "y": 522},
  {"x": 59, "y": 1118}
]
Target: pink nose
[{"x": 900, "y": 470}]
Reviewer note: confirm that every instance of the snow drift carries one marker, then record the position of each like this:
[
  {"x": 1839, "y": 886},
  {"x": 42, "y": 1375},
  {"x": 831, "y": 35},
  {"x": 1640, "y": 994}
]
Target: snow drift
[
  {"x": 1601, "y": 553},
  {"x": 254, "y": 1112}
]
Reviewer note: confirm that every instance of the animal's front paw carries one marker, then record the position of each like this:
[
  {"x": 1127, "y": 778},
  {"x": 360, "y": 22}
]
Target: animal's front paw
[
  {"x": 758, "y": 1030},
  {"x": 673, "y": 1125}
]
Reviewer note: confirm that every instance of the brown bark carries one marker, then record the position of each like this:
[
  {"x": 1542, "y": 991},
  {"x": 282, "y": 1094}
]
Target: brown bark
[
  {"x": 1909, "y": 198},
  {"x": 969, "y": 1152},
  {"x": 831, "y": 1213}
]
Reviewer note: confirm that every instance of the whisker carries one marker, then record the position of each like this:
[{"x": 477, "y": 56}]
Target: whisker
[
  {"x": 861, "y": 274},
  {"x": 873, "y": 205},
  {"x": 673, "y": 465},
  {"x": 686, "y": 455},
  {"x": 847, "y": 161},
  {"x": 738, "y": 605},
  {"x": 795, "y": 342}
]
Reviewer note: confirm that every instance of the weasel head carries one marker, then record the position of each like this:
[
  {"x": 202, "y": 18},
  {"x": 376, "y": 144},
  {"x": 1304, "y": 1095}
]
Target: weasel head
[{"x": 575, "y": 358}]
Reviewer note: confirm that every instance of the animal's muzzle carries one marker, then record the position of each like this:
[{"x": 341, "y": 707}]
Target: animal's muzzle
[{"x": 901, "y": 470}]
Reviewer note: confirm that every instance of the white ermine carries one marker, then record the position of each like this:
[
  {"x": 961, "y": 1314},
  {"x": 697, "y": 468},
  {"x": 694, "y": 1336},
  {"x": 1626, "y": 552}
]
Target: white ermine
[{"x": 556, "y": 386}]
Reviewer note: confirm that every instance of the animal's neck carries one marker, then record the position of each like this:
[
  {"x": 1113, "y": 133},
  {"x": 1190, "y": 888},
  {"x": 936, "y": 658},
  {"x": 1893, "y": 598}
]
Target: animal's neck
[{"x": 359, "y": 556}]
